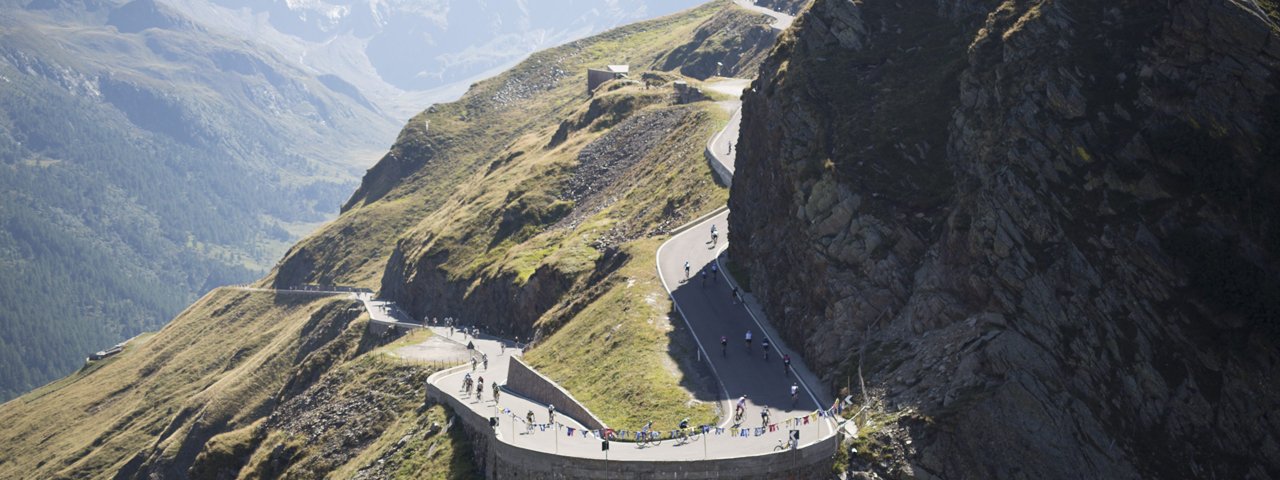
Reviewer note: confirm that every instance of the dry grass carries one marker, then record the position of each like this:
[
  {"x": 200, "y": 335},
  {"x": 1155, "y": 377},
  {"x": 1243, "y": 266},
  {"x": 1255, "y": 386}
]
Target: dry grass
[{"x": 219, "y": 361}]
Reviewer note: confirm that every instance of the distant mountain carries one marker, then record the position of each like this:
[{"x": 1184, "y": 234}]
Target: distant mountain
[
  {"x": 145, "y": 159},
  {"x": 407, "y": 54}
]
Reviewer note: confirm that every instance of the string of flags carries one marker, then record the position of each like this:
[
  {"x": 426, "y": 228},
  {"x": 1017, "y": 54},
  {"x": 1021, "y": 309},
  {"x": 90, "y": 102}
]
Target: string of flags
[{"x": 733, "y": 432}]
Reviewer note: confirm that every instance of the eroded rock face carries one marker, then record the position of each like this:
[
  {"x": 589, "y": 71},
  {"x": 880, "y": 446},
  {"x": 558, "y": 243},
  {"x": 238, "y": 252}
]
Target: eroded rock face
[{"x": 1052, "y": 225}]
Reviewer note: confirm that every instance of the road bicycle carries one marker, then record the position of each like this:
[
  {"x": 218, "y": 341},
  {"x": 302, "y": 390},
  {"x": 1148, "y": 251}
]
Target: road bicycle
[
  {"x": 737, "y": 415},
  {"x": 649, "y": 438},
  {"x": 784, "y": 444},
  {"x": 687, "y": 435}
]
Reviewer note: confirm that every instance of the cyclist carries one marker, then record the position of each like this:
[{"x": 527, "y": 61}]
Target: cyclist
[
  {"x": 686, "y": 270},
  {"x": 704, "y": 278},
  {"x": 786, "y": 364},
  {"x": 480, "y": 389},
  {"x": 551, "y": 413},
  {"x": 684, "y": 428},
  {"x": 764, "y": 417},
  {"x": 736, "y": 297},
  {"x": 748, "y": 340},
  {"x": 740, "y": 409},
  {"x": 795, "y": 390},
  {"x": 496, "y": 391},
  {"x": 466, "y": 383},
  {"x": 724, "y": 346},
  {"x": 715, "y": 270},
  {"x": 765, "y": 344},
  {"x": 485, "y": 358},
  {"x": 528, "y": 422}
]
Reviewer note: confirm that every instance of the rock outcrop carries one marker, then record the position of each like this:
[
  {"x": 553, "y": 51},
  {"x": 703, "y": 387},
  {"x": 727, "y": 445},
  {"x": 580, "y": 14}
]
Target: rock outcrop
[{"x": 1046, "y": 231}]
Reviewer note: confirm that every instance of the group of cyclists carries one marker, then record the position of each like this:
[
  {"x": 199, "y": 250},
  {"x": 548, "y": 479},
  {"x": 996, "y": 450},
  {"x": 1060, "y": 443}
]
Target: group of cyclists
[
  {"x": 740, "y": 409},
  {"x": 483, "y": 359},
  {"x": 764, "y": 345},
  {"x": 529, "y": 419},
  {"x": 477, "y": 385},
  {"x": 647, "y": 436},
  {"x": 713, "y": 270}
]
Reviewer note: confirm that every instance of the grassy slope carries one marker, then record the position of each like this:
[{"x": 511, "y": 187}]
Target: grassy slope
[
  {"x": 96, "y": 419},
  {"x": 216, "y": 371},
  {"x": 365, "y": 416},
  {"x": 438, "y": 161},
  {"x": 488, "y": 152},
  {"x": 629, "y": 306},
  {"x": 631, "y": 377},
  {"x": 616, "y": 355}
]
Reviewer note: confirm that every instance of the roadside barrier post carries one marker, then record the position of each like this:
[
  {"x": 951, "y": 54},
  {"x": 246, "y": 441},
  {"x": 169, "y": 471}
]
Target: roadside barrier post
[{"x": 605, "y": 446}]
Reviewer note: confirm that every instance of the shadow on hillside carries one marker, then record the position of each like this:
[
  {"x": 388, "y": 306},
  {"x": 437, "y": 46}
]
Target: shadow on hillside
[
  {"x": 696, "y": 376},
  {"x": 714, "y": 313}
]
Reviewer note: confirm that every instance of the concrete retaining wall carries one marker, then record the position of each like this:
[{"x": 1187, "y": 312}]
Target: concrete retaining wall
[
  {"x": 475, "y": 426},
  {"x": 811, "y": 461},
  {"x": 526, "y": 382},
  {"x": 723, "y": 175},
  {"x": 499, "y": 460}
]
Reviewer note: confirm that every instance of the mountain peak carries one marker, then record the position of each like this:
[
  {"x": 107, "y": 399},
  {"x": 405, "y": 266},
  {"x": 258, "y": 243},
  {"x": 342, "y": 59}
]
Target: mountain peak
[{"x": 139, "y": 15}]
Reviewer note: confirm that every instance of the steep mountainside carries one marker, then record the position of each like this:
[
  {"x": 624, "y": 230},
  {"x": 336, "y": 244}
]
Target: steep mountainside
[
  {"x": 241, "y": 384},
  {"x": 143, "y": 161},
  {"x": 499, "y": 138},
  {"x": 518, "y": 206},
  {"x": 543, "y": 199},
  {"x": 406, "y": 54},
  {"x": 1045, "y": 233}
]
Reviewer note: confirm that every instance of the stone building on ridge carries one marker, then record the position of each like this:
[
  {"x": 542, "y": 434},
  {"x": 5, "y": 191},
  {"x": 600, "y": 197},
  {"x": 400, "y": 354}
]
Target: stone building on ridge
[{"x": 596, "y": 76}]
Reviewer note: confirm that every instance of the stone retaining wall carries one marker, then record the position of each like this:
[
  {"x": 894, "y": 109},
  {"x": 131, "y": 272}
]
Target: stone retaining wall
[{"x": 526, "y": 382}]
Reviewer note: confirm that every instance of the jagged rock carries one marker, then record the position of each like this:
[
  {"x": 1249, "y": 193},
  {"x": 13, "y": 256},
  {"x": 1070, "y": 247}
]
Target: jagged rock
[{"x": 1078, "y": 279}]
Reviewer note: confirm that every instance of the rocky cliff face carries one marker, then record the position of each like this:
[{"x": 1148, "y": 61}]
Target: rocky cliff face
[{"x": 1046, "y": 231}]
